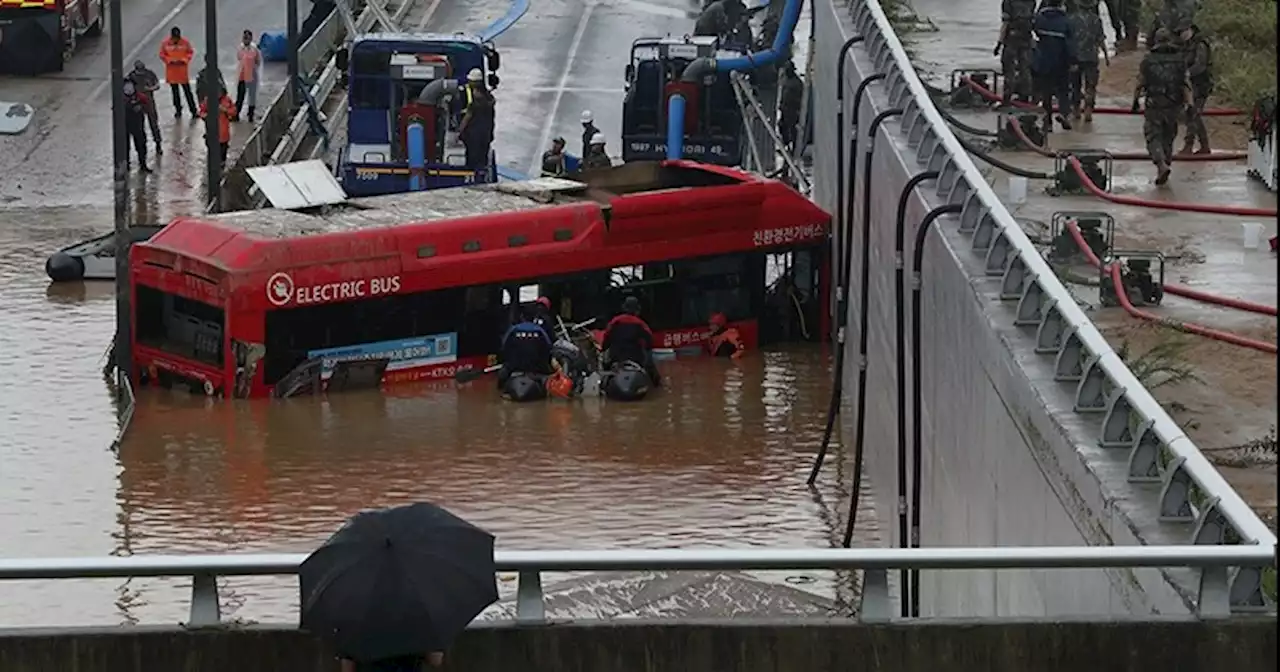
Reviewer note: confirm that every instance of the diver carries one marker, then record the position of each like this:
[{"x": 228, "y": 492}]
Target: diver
[
  {"x": 628, "y": 338},
  {"x": 589, "y": 131},
  {"x": 597, "y": 156},
  {"x": 553, "y": 163},
  {"x": 724, "y": 340},
  {"x": 525, "y": 349}
]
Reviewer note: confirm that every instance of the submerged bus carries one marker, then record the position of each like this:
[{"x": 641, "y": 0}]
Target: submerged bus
[{"x": 245, "y": 304}]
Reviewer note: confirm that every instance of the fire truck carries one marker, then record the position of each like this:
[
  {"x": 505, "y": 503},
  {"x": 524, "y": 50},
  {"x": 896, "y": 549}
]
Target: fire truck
[{"x": 38, "y": 36}]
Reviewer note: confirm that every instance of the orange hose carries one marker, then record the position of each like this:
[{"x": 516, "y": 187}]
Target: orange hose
[
  {"x": 1177, "y": 290},
  {"x": 994, "y": 97},
  {"x": 1123, "y": 156},
  {"x": 1165, "y": 205},
  {"x": 1187, "y": 327}
]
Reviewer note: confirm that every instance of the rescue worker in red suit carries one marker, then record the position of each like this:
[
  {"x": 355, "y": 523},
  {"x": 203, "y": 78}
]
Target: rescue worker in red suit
[
  {"x": 724, "y": 341},
  {"x": 629, "y": 338}
]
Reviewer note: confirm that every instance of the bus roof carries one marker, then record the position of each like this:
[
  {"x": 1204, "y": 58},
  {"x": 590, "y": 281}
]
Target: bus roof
[{"x": 640, "y": 206}]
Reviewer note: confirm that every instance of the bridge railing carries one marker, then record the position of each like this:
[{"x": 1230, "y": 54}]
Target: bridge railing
[
  {"x": 1218, "y": 595},
  {"x": 1155, "y": 449}
]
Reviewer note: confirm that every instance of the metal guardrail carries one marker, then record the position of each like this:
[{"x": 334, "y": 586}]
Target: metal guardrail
[
  {"x": 1159, "y": 452},
  {"x": 128, "y": 403},
  {"x": 1217, "y": 597},
  {"x": 742, "y": 89}
]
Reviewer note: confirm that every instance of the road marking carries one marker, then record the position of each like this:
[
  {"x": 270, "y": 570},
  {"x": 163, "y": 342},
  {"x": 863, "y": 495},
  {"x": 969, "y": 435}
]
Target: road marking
[
  {"x": 133, "y": 54},
  {"x": 426, "y": 16},
  {"x": 574, "y": 45}
]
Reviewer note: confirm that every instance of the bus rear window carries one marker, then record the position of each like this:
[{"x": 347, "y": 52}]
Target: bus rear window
[{"x": 179, "y": 326}]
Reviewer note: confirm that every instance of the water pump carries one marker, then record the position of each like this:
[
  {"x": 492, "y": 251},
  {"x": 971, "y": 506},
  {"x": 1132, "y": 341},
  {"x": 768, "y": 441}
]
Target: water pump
[
  {"x": 1098, "y": 165},
  {"x": 1029, "y": 122},
  {"x": 1138, "y": 283},
  {"x": 1097, "y": 228},
  {"x": 964, "y": 97}
]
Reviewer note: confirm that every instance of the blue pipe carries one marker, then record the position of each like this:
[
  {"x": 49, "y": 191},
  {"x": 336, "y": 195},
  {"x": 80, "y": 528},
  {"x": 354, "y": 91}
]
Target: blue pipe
[
  {"x": 417, "y": 156},
  {"x": 517, "y": 10},
  {"x": 675, "y": 127},
  {"x": 781, "y": 45}
]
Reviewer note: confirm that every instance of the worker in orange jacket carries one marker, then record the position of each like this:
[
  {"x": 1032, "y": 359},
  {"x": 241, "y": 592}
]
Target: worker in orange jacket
[
  {"x": 226, "y": 114},
  {"x": 176, "y": 54}
]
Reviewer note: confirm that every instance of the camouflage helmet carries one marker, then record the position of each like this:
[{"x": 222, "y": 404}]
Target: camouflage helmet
[{"x": 1162, "y": 36}]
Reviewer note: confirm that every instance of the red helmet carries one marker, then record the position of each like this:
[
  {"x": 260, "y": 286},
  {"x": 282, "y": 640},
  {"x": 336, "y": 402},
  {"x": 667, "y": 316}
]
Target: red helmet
[
  {"x": 544, "y": 302},
  {"x": 719, "y": 320}
]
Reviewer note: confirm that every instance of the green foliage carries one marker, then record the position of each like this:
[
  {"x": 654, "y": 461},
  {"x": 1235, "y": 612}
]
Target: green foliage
[{"x": 1243, "y": 34}]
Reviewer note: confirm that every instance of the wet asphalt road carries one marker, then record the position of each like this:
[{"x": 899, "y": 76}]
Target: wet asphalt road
[{"x": 64, "y": 158}]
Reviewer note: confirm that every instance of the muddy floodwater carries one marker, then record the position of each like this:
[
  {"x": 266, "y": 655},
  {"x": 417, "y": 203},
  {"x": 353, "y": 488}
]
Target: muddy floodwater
[{"x": 717, "y": 459}]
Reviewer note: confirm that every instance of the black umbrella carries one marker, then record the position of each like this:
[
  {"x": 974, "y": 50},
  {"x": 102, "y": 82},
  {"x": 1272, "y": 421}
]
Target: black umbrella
[{"x": 398, "y": 582}]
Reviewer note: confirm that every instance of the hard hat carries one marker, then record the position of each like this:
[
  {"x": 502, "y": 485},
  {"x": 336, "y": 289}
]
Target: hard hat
[
  {"x": 128, "y": 87},
  {"x": 597, "y": 139},
  {"x": 586, "y": 116},
  {"x": 138, "y": 64},
  {"x": 474, "y": 75},
  {"x": 544, "y": 302},
  {"x": 719, "y": 320},
  {"x": 558, "y": 141}
]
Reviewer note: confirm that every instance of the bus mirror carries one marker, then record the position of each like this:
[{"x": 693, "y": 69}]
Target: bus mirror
[
  {"x": 493, "y": 81},
  {"x": 495, "y": 61},
  {"x": 629, "y": 72}
]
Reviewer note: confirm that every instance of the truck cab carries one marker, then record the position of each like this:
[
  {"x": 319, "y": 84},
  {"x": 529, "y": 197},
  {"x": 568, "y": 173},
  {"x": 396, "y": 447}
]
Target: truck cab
[
  {"x": 713, "y": 121},
  {"x": 38, "y": 36},
  {"x": 385, "y": 77}
]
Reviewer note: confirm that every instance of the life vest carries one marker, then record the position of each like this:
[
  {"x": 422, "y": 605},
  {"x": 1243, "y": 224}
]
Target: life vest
[{"x": 726, "y": 343}]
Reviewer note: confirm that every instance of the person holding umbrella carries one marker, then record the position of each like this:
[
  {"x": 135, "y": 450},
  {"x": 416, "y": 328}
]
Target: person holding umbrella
[{"x": 394, "y": 587}]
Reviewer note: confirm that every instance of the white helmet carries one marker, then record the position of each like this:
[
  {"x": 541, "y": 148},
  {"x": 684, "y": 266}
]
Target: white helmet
[
  {"x": 597, "y": 139},
  {"x": 474, "y": 75},
  {"x": 586, "y": 116}
]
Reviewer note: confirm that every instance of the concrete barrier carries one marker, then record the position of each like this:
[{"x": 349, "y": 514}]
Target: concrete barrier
[
  {"x": 1247, "y": 645},
  {"x": 1010, "y": 456}
]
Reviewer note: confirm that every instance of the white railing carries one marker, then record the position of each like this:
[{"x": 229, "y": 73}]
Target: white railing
[
  {"x": 1159, "y": 452},
  {"x": 1262, "y": 159},
  {"x": 127, "y": 405},
  {"x": 1219, "y": 593}
]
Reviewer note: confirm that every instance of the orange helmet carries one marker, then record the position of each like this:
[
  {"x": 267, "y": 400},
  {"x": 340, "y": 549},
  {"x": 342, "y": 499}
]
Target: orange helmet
[
  {"x": 719, "y": 320},
  {"x": 544, "y": 302}
]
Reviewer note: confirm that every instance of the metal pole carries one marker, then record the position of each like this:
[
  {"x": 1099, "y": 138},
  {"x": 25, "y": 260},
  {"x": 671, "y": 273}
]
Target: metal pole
[
  {"x": 212, "y": 95},
  {"x": 291, "y": 23},
  {"x": 120, "y": 156}
]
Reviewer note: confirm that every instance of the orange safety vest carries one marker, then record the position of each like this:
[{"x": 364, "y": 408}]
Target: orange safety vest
[
  {"x": 176, "y": 57},
  {"x": 226, "y": 110}
]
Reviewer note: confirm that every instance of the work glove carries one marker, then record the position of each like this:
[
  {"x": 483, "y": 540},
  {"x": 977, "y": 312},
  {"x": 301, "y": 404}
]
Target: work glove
[{"x": 996, "y": 50}]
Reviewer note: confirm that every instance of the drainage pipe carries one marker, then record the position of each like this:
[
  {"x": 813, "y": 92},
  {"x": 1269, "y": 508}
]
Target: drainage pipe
[
  {"x": 1165, "y": 205},
  {"x": 417, "y": 140},
  {"x": 860, "y": 424},
  {"x": 1006, "y": 167},
  {"x": 900, "y": 335},
  {"x": 702, "y": 66},
  {"x": 917, "y": 447},
  {"x": 997, "y": 98},
  {"x": 840, "y": 192},
  {"x": 842, "y": 280}
]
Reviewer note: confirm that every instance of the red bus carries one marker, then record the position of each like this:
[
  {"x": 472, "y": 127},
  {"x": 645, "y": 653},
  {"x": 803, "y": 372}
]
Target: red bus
[{"x": 247, "y": 304}]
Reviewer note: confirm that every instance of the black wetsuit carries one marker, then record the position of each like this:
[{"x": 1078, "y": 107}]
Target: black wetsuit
[{"x": 629, "y": 339}]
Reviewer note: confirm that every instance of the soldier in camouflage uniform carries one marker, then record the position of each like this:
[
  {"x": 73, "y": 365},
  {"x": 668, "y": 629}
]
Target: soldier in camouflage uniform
[
  {"x": 1086, "y": 28},
  {"x": 1162, "y": 79},
  {"x": 1125, "y": 15},
  {"x": 1114, "y": 13},
  {"x": 1200, "y": 74},
  {"x": 1014, "y": 47},
  {"x": 1177, "y": 16}
]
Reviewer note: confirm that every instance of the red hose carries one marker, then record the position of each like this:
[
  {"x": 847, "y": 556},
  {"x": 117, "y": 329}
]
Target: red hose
[
  {"x": 1177, "y": 290},
  {"x": 1123, "y": 156},
  {"x": 997, "y": 98},
  {"x": 1166, "y": 205},
  {"x": 1187, "y": 327}
]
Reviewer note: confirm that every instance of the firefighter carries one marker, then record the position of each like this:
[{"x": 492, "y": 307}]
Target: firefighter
[
  {"x": 553, "y": 164},
  {"x": 226, "y": 114},
  {"x": 589, "y": 131},
  {"x": 597, "y": 156},
  {"x": 148, "y": 82},
  {"x": 476, "y": 130},
  {"x": 724, "y": 340},
  {"x": 176, "y": 54},
  {"x": 135, "y": 121}
]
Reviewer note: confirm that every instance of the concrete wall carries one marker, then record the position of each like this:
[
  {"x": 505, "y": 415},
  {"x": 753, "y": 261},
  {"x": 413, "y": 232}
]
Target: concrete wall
[
  {"x": 741, "y": 646},
  {"x": 999, "y": 467}
]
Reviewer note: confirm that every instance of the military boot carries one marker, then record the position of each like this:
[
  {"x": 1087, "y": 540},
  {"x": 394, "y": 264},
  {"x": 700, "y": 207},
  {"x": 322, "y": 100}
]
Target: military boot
[
  {"x": 1188, "y": 144},
  {"x": 1087, "y": 115},
  {"x": 1202, "y": 136}
]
